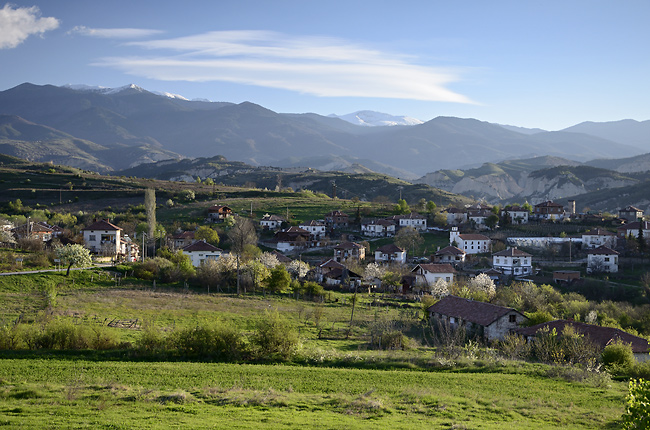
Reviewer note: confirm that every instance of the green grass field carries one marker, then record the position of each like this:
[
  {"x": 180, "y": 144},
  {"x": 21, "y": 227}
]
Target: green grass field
[
  {"x": 63, "y": 393},
  {"x": 335, "y": 382}
]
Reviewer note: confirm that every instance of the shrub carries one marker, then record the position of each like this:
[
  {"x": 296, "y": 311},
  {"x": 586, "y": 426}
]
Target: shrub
[
  {"x": 514, "y": 346},
  {"x": 222, "y": 342},
  {"x": 618, "y": 355},
  {"x": 637, "y": 414},
  {"x": 275, "y": 338}
]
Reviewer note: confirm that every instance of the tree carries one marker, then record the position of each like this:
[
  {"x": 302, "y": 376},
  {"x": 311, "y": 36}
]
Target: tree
[
  {"x": 482, "y": 284},
  {"x": 391, "y": 281},
  {"x": 373, "y": 271},
  {"x": 242, "y": 233},
  {"x": 279, "y": 279},
  {"x": 208, "y": 234},
  {"x": 298, "y": 268},
  {"x": 637, "y": 413},
  {"x": 402, "y": 207},
  {"x": 640, "y": 239},
  {"x": 492, "y": 221},
  {"x": 440, "y": 288},
  {"x": 150, "y": 207},
  {"x": 528, "y": 207},
  {"x": 268, "y": 259},
  {"x": 73, "y": 255},
  {"x": 258, "y": 272},
  {"x": 187, "y": 195},
  {"x": 408, "y": 237},
  {"x": 431, "y": 207},
  {"x": 7, "y": 238}
]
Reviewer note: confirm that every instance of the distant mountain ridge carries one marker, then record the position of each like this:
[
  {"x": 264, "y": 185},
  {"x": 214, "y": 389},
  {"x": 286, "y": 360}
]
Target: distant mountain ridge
[
  {"x": 370, "y": 118},
  {"x": 131, "y": 119}
]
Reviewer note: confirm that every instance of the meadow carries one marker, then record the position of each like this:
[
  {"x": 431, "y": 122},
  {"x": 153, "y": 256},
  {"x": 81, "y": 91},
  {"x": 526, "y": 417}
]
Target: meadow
[{"x": 335, "y": 381}]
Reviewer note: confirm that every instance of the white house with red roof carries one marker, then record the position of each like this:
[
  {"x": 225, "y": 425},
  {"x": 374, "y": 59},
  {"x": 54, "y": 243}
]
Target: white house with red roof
[
  {"x": 431, "y": 272},
  {"x": 201, "y": 251},
  {"x": 598, "y": 237},
  {"x": 549, "y": 210},
  {"x": 271, "y": 222},
  {"x": 390, "y": 253},
  {"x": 470, "y": 243},
  {"x": 103, "y": 237},
  {"x": 632, "y": 229},
  {"x": 602, "y": 259},
  {"x": 378, "y": 228},
  {"x": 517, "y": 214},
  {"x": 450, "y": 254},
  {"x": 315, "y": 228},
  {"x": 513, "y": 261}
]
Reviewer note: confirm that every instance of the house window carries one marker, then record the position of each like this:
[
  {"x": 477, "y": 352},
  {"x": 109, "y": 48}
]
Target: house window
[
  {"x": 92, "y": 238},
  {"x": 513, "y": 318},
  {"x": 452, "y": 320}
]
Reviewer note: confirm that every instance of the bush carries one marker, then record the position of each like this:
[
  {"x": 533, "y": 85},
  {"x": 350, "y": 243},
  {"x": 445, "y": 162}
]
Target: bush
[
  {"x": 222, "y": 342},
  {"x": 618, "y": 356},
  {"x": 274, "y": 338},
  {"x": 637, "y": 414},
  {"x": 514, "y": 347}
]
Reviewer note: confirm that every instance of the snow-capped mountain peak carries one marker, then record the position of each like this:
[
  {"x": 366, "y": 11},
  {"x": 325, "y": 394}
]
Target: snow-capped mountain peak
[
  {"x": 103, "y": 90},
  {"x": 370, "y": 118}
]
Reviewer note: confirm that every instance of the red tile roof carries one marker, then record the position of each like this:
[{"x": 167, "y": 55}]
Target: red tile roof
[
  {"x": 102, "y": 225},
  {"x": 469, "y": 310},
  {"x": 201, "y": 245},
  {"x": 512, "y": 252},
  {"x": 602, "y": 336},
  {"x": 602, "y": 250},
  {"x": 436, "y": 268}
]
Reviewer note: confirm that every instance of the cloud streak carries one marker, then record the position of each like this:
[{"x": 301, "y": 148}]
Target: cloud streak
[
  {"x": 114, "y": 33},
  {"x": 18, "y": 23},
  {"x": 320, "y": 66}
]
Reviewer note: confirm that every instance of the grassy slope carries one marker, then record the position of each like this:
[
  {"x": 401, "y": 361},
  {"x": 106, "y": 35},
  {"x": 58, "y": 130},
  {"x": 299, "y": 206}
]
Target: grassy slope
[
  {"x": 78, "y": 390},
  {"x": 59, "y": 393}
]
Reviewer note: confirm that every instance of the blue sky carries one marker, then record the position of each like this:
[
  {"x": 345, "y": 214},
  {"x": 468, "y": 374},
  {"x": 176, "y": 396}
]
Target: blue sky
[{"x": 547, "y": 64}]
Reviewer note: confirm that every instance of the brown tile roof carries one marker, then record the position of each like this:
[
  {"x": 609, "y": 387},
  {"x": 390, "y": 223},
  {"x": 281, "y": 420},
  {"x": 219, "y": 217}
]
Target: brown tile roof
[
  {"x": 281, "y": 257},
  {"x": 602, "y": 336},
  {"x": 469, "y": 310},
  {"x": 313, "y": 223},
  {"x": 390, "y": 249},
  {"x": 598, "y": 232},
  {"x": 472, "y": 236},
  {"x": 102, "y": 225},
  {"x": 635, "y": 226},
  {"x": 348, "y": 245},
  {"x": 512, "y": 252},
  {"x": 436, "y": 268},
  {"x": 548, "y": 204},
  {"x": 452, "y": 250},
  {"x": 201, "y": 245},
  {"x": 602, "y": 250},
  {"x": 184, "y": 235}
]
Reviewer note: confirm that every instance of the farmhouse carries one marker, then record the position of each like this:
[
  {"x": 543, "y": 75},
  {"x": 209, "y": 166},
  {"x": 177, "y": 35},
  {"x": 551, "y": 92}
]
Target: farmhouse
[
  {"x": 470, "y": 243},
  {"x": 219, "y": 213},
  {"x": 33, "y": 230},
  {"x": 201, "y": 251},
  {"x": 549, "y": 211},
  {"x": 102, "y": 237},
  {"x": 632, "y": 229},
  {"x": 601, "y": 336},
  {"x": 630, "y": 213},
  {"x": 413, "y": 219},
  {"x": 271, "y": 222},
  {"x": 602, "y": 259},
  {"x": 450, "y": 254},
  {"x": 390, "y": 253},
  {"x": 598, "y": 237},
  {"x": 378, "y": 228},
  {"x": 513, "y": 261},
  {"x": 337, "y": 219},
  {"x": 183, "y": 239},
  {"x": 315, "y": 228},
  {"x": 456, "y": 216},
  {"x": 349, "y": 251},
  {"x": 291, "y": 238},
  {"x": 485, "y": 320},
  {"x": 428, "y": 274},
  {"x": 517, "y": 214}
]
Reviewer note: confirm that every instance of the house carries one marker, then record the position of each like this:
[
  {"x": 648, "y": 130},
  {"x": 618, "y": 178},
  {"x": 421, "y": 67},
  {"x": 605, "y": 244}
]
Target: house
[
  {"x": 102, "y": 237},
  {"x": 601, "y": 336},
  {"x": 513, "y": 261},
  {"x": 337, "y": 219},
  {"x": 291, "y": 238},
  {"x": 182, "y": 239},
  {"x": 632, "y": 229},
  {"x": 598, "y": 237},
  {"x": 342, "y": 276},
  {"x": 566, "y": 276},
  {"x": 271, "y": 222},
  {"x": 456, "y": 216},
  {"x": 602, "y": 259},
  {"x": 349, "y": 250},
  {"x": 485, "y": 320},
  {"x": 129, "y": 250},
  {"x": 315, "y": 228},
  {"x": 325, "y": 267},
  {"x": 413, "y": 219},
  {"x": 390, "y": 253},
  {"x": 56, "y": 230},
  {"x": 548, "y": 211},
  {"x": 378, "y": 228},
  {"x": 33, "y": 230},
  {"x": 450, "y": 254},
  {"x": 479, "y": 213},
  {"x": 630, "y": 213},
  {"x": 428, "y": 274},
  {"x": 470, "y": 243},
  {"x": 201, "y": 251},
  {"x": 516, "y": 214},
  {"x": 219, "y": 213}
]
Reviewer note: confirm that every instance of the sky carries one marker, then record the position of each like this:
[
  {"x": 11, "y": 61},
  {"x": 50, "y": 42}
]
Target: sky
[{"x": 532, "y": 64}]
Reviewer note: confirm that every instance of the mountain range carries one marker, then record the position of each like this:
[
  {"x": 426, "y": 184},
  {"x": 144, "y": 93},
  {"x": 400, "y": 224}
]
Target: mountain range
[{"x": 113, "y": 129}]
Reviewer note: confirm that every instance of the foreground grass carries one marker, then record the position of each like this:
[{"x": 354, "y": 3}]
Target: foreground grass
[{"x": 60, "y": 393}]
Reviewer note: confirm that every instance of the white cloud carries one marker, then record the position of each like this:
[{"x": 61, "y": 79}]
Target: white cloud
[
  {"x": 114, "y": 33},
  {"x": 18, "y": 23},
  {"x": 325, "y": 67}
]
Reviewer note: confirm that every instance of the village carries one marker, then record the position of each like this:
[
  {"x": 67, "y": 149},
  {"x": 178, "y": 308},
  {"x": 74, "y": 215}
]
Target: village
[{"x": 479, "y": 244}]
